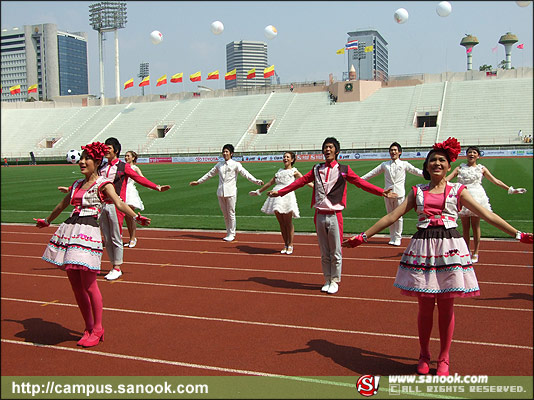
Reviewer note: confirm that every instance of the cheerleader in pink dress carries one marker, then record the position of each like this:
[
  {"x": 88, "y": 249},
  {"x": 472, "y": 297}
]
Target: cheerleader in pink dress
[
  {"x": 436, "y": 265},
  {"x": 76, "y": 246}
]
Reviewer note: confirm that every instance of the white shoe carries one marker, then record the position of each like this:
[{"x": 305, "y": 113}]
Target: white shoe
[
  {"x": 289, "y": 250},
  {"x": 474, "y": 258},
  {"x": 325, "y": 287},
  {"x": 113, "y": 274},
  {"x": 284, "y": 250},
  {"x": 334, "y": 287},
  {"x": 395, "y": 242},
  {"x": 132, "y": 243},
  {"x": 229, "y": 238}
]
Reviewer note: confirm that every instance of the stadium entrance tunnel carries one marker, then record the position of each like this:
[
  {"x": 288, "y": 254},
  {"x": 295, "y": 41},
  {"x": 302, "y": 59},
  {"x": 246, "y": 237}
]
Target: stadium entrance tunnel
[
  {"x": 425, "y": 119},
  {"x": 262, "y": 126}
]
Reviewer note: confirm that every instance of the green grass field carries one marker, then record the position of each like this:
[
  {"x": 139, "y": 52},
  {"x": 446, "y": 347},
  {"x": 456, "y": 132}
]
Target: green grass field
[{"x": 31, "y": 192}]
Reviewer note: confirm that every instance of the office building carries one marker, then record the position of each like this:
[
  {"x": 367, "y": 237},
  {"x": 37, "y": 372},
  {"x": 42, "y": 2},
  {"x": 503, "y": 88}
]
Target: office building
[
  {"x": 371, "y": 64},
  {"x": 40, "y": 54},
  {"x": 244, "y": 56}
]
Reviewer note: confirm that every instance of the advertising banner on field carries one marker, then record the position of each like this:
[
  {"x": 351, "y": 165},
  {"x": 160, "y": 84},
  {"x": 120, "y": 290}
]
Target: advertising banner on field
[{"x": 318, "y": 157}]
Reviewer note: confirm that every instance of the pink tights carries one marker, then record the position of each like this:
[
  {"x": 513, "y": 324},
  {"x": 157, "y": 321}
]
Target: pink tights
[
  {"x": 446, "y": 325},
  {"x": 88, "y": 296}
]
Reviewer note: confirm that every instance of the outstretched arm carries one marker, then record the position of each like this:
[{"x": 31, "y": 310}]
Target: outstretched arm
[
  {"x": 55, "y": 212},
  {"x": 263, "y": 188},
  {"x": 109, "y": 192},
  {"x": 490, "y": 217},
  {"x": 500, "y": 183},
  {"x": 130, "y": 173},
  {"x": 383, "y": 222},
  {"x": 211, "y": 173},
  {"x": 452, "y": 175}
]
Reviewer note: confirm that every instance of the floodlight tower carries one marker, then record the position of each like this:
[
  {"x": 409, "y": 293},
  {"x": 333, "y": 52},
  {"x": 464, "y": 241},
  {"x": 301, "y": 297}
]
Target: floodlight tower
[
  {"x": 507, "y": 41},
  {"x": 469, "y": 41},
  {"x": 143, "y": 73},
  {"x": 108, "y": 16}
]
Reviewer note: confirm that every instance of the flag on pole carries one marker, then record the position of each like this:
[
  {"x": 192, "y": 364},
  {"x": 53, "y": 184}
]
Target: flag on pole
[
  {"x": 368, "y": 49},
  {"x": 469, "y": 50},
  {"x": 128, "y": 84},
  {"x": 145, "y": 82},
  {"x": 177, "y": 77},
  {"x": 32, "y": 89},
  {"x": 14, "y": 89},
  {"x": 351, "y": 45},
  {"x": 269, "y": 71},
  {"x": 520, "y": 46},
  {"x": 195, "y": 77},
  {"x": 251, "y": 74},
  {"x": 494, "y": 49},
  {"x": 213, "y": 75},
  {"x": 340, "y": 51},
  {"x": 231, "y": 75},
  {"x": 162, "y": 81}
]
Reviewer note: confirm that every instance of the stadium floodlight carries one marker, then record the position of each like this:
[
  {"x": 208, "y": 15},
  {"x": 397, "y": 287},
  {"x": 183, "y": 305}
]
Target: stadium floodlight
[
  {"x": 108, "y": 16},
  {"x": 143, "y": 73}
]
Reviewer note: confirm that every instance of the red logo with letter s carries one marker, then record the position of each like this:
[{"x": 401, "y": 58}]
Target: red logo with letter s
[{"x": 367, "y": 385}]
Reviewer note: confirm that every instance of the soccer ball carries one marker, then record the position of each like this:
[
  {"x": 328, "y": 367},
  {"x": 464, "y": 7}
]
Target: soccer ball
[{"x": 73, "y": 156}]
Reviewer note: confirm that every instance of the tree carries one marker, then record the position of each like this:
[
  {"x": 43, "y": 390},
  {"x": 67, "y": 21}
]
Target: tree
[
  {"x": 502, "y": 65},
  {"x": 485, "y": 67}
]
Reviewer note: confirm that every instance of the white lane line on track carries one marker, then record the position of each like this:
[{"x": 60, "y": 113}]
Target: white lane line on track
[
  {"x": 275, "y": 325},
  {"x": 271, "y": 271},
  {"x": 264, "y": 292},
  {"x": 390, "y": 259},
  {"x": 210, "y": 367}
]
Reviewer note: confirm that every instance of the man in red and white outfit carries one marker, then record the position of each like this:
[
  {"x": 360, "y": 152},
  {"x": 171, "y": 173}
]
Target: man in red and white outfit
[
  {"x": 111, "y": 219},
  {"x": 329, "y": 199}
]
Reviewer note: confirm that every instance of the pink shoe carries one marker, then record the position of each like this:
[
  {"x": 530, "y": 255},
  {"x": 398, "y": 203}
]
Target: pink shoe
[
  {"x": 443, "y": 368},
  {"x": 95, "y": 338},
  {"x": 85, "y": 336},
  {"x": 423, "y": 367}
]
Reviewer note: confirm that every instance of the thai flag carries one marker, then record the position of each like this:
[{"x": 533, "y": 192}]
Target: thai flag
[{"x": 351, "y": 45}]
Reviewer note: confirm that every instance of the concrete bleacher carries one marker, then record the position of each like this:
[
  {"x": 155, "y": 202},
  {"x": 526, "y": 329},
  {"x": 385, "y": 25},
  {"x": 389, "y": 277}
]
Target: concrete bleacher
[
  {"x": 210, "y": 124},
  {"x": 487, "y": 112},
  {"x": 481, "y": 112}
]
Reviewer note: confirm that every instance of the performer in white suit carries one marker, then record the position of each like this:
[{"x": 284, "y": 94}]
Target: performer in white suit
[
  {"x": 227, "y": 190},
  {"x": 394, "y": 178}
]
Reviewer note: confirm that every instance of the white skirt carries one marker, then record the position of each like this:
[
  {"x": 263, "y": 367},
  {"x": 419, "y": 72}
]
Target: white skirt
[
  {"x": 132, "y": 197},
  {"x": 283, "y": 204}
]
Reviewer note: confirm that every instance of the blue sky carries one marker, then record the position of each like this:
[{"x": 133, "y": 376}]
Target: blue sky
[{"x": 309, "y": 33}]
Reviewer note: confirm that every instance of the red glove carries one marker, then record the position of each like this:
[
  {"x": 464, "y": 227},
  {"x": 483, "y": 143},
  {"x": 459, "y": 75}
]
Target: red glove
[
  {"x": 525, "y": 238},
  {"x": 357, "y": 240},
  {"x": 142, "y": 220},
  {"x": 41, "y": 223}
]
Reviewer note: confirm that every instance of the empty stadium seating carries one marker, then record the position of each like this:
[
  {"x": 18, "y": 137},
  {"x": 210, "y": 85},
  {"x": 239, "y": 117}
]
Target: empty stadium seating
[{"x": 482, "y": 112}]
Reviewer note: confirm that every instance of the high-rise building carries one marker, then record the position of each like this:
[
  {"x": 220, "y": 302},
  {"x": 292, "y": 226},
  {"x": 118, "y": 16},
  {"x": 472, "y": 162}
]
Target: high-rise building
[
  {"x": 55, "y": 61},
  {"x": 244, "y": 56},
  {"x": 371, "y": 63}
]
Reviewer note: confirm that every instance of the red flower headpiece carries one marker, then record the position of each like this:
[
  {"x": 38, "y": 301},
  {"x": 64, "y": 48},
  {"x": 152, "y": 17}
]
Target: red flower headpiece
[
  {"x": 451, "y": 146},
  {"x": 95, "y": 150}
]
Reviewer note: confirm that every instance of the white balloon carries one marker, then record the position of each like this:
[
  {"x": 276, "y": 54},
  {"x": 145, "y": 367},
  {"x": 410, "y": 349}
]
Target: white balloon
[
  {"x": 523, "y": 3},
  {"x": 401, "y": 16},
  {"x": 270, "y": 32},
  {"x": 217, "y": 27},
  {"x": 156, "y": 37},
  {"x": 444, "y": 8}
]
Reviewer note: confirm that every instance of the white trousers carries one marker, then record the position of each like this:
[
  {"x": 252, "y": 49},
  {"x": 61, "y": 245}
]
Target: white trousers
[
  {"x": 227, "y": 205},
  {"x": 395, "y": 230}
]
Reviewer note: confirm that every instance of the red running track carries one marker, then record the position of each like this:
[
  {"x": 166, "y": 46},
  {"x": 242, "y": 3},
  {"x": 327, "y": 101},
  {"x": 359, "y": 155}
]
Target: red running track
[{"x": 190, "y": 304}]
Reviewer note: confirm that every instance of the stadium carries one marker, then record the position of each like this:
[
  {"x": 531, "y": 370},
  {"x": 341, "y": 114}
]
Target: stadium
[
  {"x": 241, "y": 317},
  {"x": 416, "y": 111}
]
